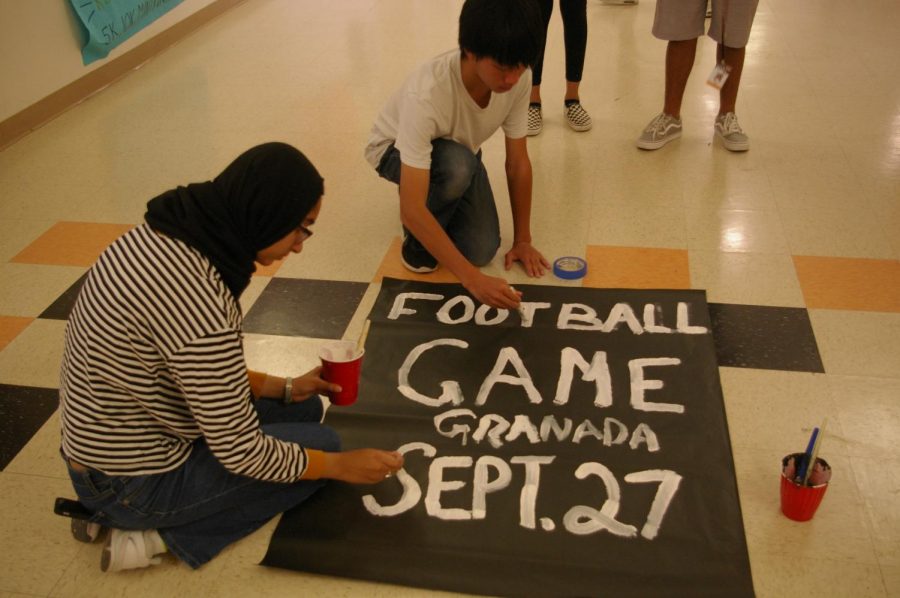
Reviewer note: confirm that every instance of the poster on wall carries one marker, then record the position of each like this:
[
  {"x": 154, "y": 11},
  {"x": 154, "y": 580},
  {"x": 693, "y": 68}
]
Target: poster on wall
[
  {"x": 577, "y": 446},
  {"x": 107, "y": 23}
]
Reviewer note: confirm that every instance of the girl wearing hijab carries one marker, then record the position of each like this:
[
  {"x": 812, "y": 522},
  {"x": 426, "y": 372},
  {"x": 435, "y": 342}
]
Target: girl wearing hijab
[{"x": 168, "y": 438}]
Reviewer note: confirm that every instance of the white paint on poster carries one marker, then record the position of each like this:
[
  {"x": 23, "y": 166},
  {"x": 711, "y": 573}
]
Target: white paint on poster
[
  {"x": 491, "y": 474},
  {"x": 437, "y": 485},
  {"x": 498, "y": 430},
  {"x": 508, "y": 356},
  {"x": 482, "y": 485},
  {"x": 461, "y": 309},
  {"x": 482, "y": 319},
  {"x": 643, "y": 433},
  {"x": 597, "y": 372},
  {"x": 528, "y": 495},
  {"x": 399, "y": 307},
  {"x": 492, "y": 427},
  {"x": 522, "y": 426},
  {"x": 582, "y": 520},
  {"x": 412, "y": 492},
  {"x": 640, "y": 384},
  {"x": 651, "y": 311},
  {"x": 450, "y": 389},
  {"x": 456, "y": 429},
  {"x": 549, "y": 425},
  {"x": 468, "y": 310},
  {"x": 528, "y": 309},
  {"x": 668, "y": 486},
  {"x": 683, "y": 324}
]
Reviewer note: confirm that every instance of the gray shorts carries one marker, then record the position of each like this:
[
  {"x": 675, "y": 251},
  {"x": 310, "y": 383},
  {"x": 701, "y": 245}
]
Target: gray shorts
[{"x": 679, "y": 20}]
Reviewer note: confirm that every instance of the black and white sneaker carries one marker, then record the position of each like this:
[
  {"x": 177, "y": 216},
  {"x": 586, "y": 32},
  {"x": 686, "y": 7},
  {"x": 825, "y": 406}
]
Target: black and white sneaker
[
  {"x": 577, "y": 116},
  {"x": 535, "y": 119},
  {"x": 416, "y": 258}
]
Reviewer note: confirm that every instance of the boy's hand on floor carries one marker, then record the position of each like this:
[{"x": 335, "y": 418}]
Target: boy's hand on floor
[{"x": 534, "y": 263}]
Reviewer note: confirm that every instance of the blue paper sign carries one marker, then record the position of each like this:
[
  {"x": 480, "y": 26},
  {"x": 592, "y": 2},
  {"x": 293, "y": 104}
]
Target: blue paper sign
[{"x": 108, "y": 23}]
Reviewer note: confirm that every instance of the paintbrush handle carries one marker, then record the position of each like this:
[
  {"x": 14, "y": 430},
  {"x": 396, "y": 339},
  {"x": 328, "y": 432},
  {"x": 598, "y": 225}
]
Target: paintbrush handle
[
  {"x": 815, "y": 452},
  {"x": 362, "y": 337},
  {"x": 804, "y": 461}
]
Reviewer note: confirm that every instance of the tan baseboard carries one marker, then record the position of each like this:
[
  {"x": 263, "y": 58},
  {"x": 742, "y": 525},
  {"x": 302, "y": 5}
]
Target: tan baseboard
[{"x": 45, "y": 110}]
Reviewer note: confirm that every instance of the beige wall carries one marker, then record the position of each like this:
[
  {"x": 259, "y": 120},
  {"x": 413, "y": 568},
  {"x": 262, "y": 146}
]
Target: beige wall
[{"x": 40, "y": 48}]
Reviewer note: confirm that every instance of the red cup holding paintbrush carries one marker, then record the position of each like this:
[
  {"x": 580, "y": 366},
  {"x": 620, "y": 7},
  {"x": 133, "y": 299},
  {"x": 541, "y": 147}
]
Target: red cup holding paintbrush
[{"x": 800, "y": 501}]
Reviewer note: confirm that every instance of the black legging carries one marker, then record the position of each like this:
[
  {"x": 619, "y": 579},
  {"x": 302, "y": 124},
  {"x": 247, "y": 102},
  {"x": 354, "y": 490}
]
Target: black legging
[{"x": 574, "y": 16}]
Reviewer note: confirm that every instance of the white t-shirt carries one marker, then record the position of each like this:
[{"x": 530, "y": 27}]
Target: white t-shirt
[{"x": 433, "y": 104}]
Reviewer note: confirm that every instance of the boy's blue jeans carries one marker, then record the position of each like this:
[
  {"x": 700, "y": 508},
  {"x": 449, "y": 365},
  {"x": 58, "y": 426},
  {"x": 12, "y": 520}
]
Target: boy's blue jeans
[
  {"x": 200, "y": 508},
  {"x": 459, "y": 197}
]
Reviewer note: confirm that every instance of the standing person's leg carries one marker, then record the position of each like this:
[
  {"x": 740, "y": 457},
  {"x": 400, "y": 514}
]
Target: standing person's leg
[
  {"x": 680, "y": 22},
  {"x": 535, "y": 115},
  {"x": 734, "y": 58},
  {"x": 537, "y": 70},
  {"x": 730, "y": 28},
  {"x": 574, "y": 16},
  {"x": 679, "y": 63}
]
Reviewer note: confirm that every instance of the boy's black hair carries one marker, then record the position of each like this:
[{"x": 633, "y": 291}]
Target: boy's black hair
[{"x": 509, "y": 32}]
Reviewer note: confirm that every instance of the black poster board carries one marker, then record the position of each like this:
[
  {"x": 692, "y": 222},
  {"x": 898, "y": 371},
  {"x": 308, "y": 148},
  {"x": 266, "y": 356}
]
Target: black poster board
[{"x": 577, "y": 448}]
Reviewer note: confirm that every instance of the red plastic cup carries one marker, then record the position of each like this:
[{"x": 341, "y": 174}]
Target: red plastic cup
[
  {"x": 341, "y": 365},
  {"x": 799, "y": 502}
]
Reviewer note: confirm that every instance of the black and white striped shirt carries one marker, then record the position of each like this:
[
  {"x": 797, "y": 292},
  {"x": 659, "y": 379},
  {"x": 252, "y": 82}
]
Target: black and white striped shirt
[{"x": 154, "y": 360}]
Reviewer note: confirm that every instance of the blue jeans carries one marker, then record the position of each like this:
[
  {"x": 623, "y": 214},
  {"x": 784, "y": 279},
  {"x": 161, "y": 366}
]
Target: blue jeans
[
  {"x": 200, "y": 508},
  {"x": 459, "y": 197}
]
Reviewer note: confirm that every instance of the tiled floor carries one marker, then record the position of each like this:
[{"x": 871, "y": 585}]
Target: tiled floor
[{"x": 796, "y": 242}]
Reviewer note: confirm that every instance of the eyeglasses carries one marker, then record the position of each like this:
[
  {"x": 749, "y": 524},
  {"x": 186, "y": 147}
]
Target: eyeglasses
[{"x": 305, "y": 233}]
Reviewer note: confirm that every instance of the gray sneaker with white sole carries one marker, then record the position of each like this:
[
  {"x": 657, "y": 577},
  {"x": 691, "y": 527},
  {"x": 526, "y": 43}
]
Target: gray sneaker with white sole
[{"x": 659, "y": 131}]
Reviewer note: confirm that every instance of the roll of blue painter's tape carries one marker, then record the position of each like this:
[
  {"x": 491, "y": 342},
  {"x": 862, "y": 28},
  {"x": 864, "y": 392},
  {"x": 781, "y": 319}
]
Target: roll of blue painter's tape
[{"x": 570, "y": 268}]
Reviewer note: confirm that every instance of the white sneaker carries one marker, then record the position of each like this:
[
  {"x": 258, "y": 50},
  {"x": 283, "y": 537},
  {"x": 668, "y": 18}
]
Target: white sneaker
[
  {"x": 535, "y": 119},
  {"x": 660, "y": 131},
  {"x": 730, "y": 132},
  {"x": 131, "y": 550}
]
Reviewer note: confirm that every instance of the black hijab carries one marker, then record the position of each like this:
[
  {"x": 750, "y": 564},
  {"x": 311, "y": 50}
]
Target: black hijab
[{"x": 257, "y": 200}]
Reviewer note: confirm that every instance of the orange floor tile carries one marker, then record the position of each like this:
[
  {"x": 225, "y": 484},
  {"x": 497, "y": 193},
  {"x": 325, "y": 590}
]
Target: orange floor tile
[
  {"x": 637, "y": 268},
  {"x": 71, "y": 244},
  {"x": 10, "y": 327},
  {"x": 848, "y": 283}
]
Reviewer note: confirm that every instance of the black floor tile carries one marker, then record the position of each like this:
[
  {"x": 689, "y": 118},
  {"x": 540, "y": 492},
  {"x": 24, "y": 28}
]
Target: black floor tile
[
  {"x": 23, "y": 410},
  {"x": 768, "y": 338},
  {"x": 297, "y": 307},
  {"x": 61, "y": 308}
]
